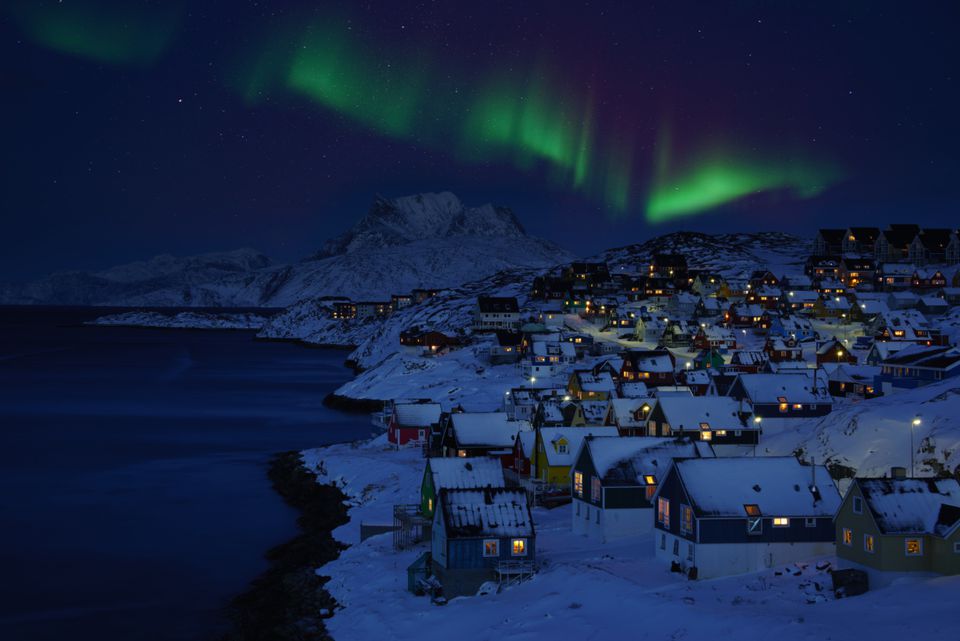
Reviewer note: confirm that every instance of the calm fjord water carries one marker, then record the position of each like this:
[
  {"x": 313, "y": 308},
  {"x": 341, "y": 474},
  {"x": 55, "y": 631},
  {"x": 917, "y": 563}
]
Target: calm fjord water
[{"x": 134, "y": 501}]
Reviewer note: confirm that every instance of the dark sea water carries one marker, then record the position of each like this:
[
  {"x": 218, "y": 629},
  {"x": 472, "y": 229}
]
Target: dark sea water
[{"x": 134, "y": 501}]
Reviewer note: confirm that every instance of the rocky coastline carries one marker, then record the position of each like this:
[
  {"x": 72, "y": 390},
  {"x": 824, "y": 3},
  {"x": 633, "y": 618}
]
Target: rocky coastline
[{"x": 288, "y": 601}]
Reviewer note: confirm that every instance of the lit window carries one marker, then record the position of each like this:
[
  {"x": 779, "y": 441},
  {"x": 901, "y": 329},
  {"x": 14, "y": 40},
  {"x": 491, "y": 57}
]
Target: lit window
[
  {"x": 781, "y": 521},
  {"x": 913, "y": 547},
  {"x": 798, "y": 406},
  {"x": 783, "y": 407},
  {"x": 721, "y": 432},
  {"x": 650, "y": 479},
  {"x": 429, "y": 505},
  {"x": 686, "y": 519},
  {"x": 847, "y": 536},
  {"x": 663, "y": 511},
  {"x": 462, "y": 453},
  {"x": 578, "y": 483},
  {"x": 752, "y": 509},
  {"x": 519, "y": 547},
  {"x": 491, "y": 547},
  {"x": 706, "y": 436},
  {"x": 868, "y": 543}
]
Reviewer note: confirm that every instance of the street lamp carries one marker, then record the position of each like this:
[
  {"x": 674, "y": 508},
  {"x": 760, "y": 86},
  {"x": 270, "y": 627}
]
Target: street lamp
[{"x": 914, "y": 423}]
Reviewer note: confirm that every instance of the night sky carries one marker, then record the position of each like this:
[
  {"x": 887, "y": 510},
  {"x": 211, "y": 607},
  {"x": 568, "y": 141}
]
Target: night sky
[{"x": 138, "y": 128}]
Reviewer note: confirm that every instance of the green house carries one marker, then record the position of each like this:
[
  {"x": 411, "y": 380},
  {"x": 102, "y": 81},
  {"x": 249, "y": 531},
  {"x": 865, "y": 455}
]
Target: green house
[
  {"x": 457, "y": 474},
  {"x": 901, "y": 525}
]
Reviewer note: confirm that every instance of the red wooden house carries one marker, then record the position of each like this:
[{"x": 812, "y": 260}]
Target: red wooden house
[
  {"x": 833, "y": 351},
  {"x": 412, "y": 423}
]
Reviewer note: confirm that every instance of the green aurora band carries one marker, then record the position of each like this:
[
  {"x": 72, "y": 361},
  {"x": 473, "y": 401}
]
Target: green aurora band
[
  {"x": 118, "y": 35},
  {"x": 725, "y": 174},
  {"x": 526, "y": 117}
]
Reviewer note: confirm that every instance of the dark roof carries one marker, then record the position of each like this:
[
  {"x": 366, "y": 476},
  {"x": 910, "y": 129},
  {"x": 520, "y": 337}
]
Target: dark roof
[
  {"x": 902, "y": 236},
  {"x": 936, "y": 239},
  {"x": 508, "y": 339},
  {"x": 833, "y": 235},
  {"x": 922, "y": 356},
  {"x": 492, "y": 304},
  {"x": 859, "y": 263},
  {"x": 865, "y": 234}
]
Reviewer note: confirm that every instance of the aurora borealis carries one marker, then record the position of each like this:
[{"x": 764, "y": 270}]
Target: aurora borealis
[{"x": 151, "y": 120}]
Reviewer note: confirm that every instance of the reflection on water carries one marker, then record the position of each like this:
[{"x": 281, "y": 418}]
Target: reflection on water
[{"x": 133, "y": 496}]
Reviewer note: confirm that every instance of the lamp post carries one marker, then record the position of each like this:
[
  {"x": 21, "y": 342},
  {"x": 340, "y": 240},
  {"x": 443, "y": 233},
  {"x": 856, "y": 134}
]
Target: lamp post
[{"x": 915, "y": 422}]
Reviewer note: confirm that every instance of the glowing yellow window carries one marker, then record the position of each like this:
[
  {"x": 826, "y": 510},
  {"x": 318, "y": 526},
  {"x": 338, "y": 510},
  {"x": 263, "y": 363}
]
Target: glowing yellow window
[
  {"x": 913, "y": 547},
  {"x": 519, "y": 547},
  {"x": 491, "y": 547},
  {"x": 462, "y": 453},
  {"x": 706, "y": 435},
  {"x": 429, "y": 505},
  {"x": 650, "y": 479},
  {"x": 752, "y": 509},
  {"x": 578, "y": 483},
  {"x": 781, "y": 521},
  {"x": 868, "y": 543},
  {"x": 847, "y": 536}
]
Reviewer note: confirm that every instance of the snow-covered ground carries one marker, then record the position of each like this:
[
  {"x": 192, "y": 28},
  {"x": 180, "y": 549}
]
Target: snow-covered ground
[{"x": 587, "y": 590}]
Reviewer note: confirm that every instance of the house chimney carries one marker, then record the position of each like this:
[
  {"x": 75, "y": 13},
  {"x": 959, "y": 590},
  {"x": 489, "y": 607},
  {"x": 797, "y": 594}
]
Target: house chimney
[{"x": 898, "y": 472}]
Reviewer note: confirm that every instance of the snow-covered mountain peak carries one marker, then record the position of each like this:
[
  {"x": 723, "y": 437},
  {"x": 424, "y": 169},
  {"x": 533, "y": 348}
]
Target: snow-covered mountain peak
[{"x": 398, "y": 221}]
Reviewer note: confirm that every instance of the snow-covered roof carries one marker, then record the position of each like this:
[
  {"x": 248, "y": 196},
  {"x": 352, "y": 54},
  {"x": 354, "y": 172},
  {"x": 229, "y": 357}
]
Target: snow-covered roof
[
  {"x": 691, "y": 413},
  {"x": 634, "y": 390},
  {"x": 696, "y": 377},
  {"x": 795, "y": 387},
  {"x": 845, "y": 373},
  {"x": 495, "y": 512},
  {"x": 484, "y": 428},
  {"x": 623, "y": 410},
  {"x": 590, "y": 382},
  {"x": 627, "y": 459},
  {"x": 593, "y": 411},
  {"x": 527, "y": 442},
  {"x": 911, "y": 506},
  {"x": 803, "y": 296},
  {"x": 465, "y": 473},
  {"x": 417, "y": 414},
  {"x": 779, "y": 486},
  {"x": 553, "y": 436},
  {"x": 748, "y": 357},
  {"x": 651, "y": 361}
]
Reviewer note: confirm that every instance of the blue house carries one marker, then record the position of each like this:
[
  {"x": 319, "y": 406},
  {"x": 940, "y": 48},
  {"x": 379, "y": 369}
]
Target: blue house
[
  {"x": 481, "y": 535},
  {"x": 918, "y": 365},
  {"x": 721, "y": 516},
  {"x": 795, "y": 327}
]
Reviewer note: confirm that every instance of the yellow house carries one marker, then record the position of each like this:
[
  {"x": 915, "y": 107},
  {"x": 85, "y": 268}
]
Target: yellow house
[
  {"x": 555, "y": 450},
  {"x": 584, "y": 385}
]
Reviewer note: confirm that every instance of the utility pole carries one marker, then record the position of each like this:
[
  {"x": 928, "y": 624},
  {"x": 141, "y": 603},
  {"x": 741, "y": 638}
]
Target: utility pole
[{"x": 913, "y": 424}]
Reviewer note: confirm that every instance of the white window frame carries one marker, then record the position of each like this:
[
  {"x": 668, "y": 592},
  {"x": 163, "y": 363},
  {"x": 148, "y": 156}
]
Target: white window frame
[
  {"x": 956, "y": 547},
  {"x": 784, "y": 521},
  {"x": 857, "y": 505},
  {"x": 496, "y": 543},
  {"x": 810, "y": 522}
]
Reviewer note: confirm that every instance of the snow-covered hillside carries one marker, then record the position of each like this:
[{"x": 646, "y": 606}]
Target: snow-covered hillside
[
  {"x": 429, "y": 240},
  {"x": 450, "y": 312},
  {"x": 869, "y": 437},
  {"x": 730, "y": 255}
]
